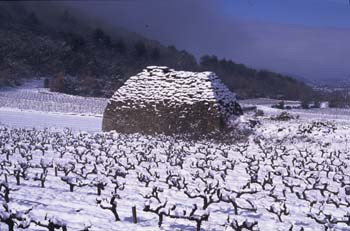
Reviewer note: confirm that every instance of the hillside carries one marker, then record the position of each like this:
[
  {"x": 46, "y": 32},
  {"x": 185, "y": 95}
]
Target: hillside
[
  {"x": 84, "y": 58},
  {"x": 252, "y": 83}
]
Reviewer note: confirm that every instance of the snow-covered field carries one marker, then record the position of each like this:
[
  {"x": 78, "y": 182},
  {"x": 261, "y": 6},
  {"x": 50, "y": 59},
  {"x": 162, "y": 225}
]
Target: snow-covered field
[
  {"x": 32, "y": 96},
  {"x": 26, "y": 119},
  {"x": 289, "y": 175},
  {"x": 31, "y": 105}
]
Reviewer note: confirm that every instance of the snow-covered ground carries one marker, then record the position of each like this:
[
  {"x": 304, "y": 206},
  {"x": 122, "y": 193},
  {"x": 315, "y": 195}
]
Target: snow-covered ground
[
  {"x": 288, "y": 175},
  {"x": 296, "y": 170},
  {"x": 31, "y": 96},
  {"x": 26, "y": 119},
  {"x": 31, "y": 105},
  {"x": 269, "y": 102}
]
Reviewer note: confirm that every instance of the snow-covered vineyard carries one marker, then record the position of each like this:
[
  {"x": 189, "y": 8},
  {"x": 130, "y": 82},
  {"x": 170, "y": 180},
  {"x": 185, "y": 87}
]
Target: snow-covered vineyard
[
  {"x": 290, "y": 175},
  {"x": 41, "y": 99}
]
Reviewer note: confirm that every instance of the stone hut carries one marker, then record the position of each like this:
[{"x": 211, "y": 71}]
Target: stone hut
[{"x": 162, "y": 100}]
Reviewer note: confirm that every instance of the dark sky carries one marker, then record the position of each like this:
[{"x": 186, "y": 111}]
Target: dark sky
[{"x": 305, "y": 38}]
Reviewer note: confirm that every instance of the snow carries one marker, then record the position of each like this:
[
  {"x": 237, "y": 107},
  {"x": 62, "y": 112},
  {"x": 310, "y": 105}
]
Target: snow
[
  {"x": 197, "y": 176},
  {"x": 26, "y": 119},
  {"x": 32, "y": 97},
  {"x": 161, "y": 84},
  {"x": 304, "y": 163},
  {"x": 31, "y": 105}
]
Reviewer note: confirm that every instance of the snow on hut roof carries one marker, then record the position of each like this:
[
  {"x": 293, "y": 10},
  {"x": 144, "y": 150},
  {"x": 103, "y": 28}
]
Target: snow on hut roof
[{"x": 159, "y": 84}]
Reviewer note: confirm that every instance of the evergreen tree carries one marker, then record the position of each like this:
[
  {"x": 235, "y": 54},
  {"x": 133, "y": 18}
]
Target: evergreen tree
[{"x": 140, "y": 49}]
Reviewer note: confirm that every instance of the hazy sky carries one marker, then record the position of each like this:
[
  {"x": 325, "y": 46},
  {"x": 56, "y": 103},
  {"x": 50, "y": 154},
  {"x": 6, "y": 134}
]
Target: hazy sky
[{"x": 307, "y": 38}]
